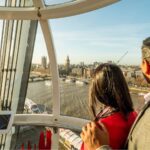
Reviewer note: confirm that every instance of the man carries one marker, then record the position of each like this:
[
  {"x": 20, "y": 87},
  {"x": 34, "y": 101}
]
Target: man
[{"x": 139, "y": 136}]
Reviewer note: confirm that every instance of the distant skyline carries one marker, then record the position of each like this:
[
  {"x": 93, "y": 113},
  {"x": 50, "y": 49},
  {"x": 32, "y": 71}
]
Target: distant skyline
[{"x": 101, "y": 35}]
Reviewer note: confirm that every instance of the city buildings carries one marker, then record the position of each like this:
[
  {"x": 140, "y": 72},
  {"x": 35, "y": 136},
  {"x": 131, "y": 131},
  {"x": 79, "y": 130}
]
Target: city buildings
[
  {"x": 44, "y": 62},
  {"x": 67, "y": 65}
]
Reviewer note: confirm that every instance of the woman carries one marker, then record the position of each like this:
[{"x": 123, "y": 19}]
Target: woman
[{"x": 109, "y": 90}]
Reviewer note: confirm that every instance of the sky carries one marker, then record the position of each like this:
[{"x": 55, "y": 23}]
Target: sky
[{"x": 101, "y": 35}]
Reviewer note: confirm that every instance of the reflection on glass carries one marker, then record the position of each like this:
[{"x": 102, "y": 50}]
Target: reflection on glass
[
  {"x": 40, "y": 137},
  {"x": 4, "y": 121},
  {"x": 55, "y": 2},
  {"x": 74, "y": 89},
  {"x": 39, "y": 92},
  {"x": 39, "y": 97},
  {"x": 83, "y": 42},
  {"x": 69, "y": 139},
  {"x": 28, "y": 136},
  {"x": 74, "y": 98},
  {"x": 2, "y": 2}
]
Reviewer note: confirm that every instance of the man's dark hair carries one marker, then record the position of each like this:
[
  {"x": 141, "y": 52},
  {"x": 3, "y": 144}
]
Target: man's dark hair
[
  {"x": 146, "y": 42},
  {"x": 146, "y": 49}
]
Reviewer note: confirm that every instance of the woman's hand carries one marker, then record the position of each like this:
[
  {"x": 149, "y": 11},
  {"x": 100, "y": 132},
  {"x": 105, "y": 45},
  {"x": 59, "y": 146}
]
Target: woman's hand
[{"x": 94, "y": 135}]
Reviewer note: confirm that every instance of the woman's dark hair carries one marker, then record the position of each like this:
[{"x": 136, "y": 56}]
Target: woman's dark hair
[{"x": 110, "y": 88}]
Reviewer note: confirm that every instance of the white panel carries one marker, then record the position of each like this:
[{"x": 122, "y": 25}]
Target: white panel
[
  {"x": 20, "y": 64},
  {"x": 74, "y": 8},
  {"x": 50, "y": 121},
  {"x": 18, "y": 13},
  {"x": 55, "y": 11},
  {"x": 54, "y": 69}
]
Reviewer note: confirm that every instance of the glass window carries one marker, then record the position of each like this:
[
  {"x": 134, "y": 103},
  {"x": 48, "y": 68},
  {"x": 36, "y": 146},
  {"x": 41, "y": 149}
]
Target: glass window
[
  {"x": 2, "y": 3},
  {"x": 112, "y": 34},
  {"x": 39, "y": 91},
  {"x": 36, "y": 137},
  {"x": 56, "y": 2},
  {"x": 29, "y": 136},
  {"x": 83, "y": 42}
]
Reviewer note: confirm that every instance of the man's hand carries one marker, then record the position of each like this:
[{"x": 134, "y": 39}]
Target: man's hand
[{"x": 93, "y": 136}]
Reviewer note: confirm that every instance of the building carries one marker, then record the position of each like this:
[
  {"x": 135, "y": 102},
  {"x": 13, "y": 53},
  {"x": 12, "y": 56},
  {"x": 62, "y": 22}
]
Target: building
[
  {"x": 44, "y": 62},
  {"x": 67, "y": 65},
  {"x": 138, "y": 73},
  {"x": 88, "y": 72},
  {"x": 77, "y": 71},
  {"x": 82, "y": 64}
]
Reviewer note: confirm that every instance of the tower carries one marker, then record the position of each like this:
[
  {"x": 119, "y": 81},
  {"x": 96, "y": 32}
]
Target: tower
[
  {"x": 44, "y": 62},
  {"x": 67, "y": 65}
]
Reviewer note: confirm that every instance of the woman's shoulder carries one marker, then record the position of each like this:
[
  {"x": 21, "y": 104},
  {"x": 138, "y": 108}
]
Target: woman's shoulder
[
  {"x": 114, "y": 118},
  {"x": 132, "y": 116},
  {"x": 118, "y": 116}
]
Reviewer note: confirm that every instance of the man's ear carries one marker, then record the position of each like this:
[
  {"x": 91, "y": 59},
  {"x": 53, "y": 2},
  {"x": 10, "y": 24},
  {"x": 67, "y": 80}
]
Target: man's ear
[{"x": 145, "y": 67}]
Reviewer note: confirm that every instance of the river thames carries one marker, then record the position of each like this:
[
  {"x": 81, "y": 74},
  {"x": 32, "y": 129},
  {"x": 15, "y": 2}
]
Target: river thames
[
  {"x": 74, "y": 98},
  {"x": 74, "y": 102}
]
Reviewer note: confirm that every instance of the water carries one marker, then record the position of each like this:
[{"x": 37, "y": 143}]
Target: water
[
  {"x": 74, "y": 98},
  {"x": 74, "y": 102}
]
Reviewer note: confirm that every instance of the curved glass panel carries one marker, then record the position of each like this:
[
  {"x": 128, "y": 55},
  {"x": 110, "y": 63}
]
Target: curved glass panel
[
  {"x": 26, "y": 136},
  {"x": 41, "y": 137},
  {"x": 17, "y": 92},
  {"x": 83, "y": 42},
  {"x": 74, "y": 98},
  {"x": 39, "y": 96},
  {"x": 39, "y": 91},
  {"x": 57, "y": 2},
  {"x": 2, "y": 3},
  {"x": 69, "y": 139}
]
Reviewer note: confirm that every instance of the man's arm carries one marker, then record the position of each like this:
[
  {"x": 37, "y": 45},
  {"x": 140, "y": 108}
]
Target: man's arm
[{"x": 95, "y": 138}]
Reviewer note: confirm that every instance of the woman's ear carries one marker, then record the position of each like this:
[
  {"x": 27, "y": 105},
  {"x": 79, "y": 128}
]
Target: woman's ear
[{"x": 145, "y": 66}]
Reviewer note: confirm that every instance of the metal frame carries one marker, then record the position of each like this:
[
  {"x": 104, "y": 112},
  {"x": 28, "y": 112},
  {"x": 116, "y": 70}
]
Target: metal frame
[
  {"x": 12, "y": 13},
  {"x": 76, "y": 7},
  {"x": 50, "y": 120},
  {"x": 42, "y": 13},
  {"x": 54, "y": 11},
  {"x": 73, "y": 8},
  {"x": 54, "y": 69}
]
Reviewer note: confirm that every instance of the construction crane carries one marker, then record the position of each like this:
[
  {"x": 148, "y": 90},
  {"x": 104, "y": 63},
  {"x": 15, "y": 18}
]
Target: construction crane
[{"x": 121, "y": 57}]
